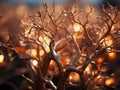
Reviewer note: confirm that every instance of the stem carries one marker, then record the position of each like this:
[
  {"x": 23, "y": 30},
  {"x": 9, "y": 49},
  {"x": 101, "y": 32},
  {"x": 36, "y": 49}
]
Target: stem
[
  {"x": 45, "y": 65},
  {"x": 82, "y": 85}
]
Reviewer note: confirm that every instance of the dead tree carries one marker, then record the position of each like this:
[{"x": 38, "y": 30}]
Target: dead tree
[
  {"x": 69, "y": 47},
  {"x": 68, "y": 37}
]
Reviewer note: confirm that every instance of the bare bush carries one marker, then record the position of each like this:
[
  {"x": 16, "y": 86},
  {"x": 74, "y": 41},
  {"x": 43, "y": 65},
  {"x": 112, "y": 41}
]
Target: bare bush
[{"x": 64, "y": 47}]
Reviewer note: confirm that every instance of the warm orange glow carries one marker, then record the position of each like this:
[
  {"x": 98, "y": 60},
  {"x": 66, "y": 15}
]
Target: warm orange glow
[
  {"x": 88, "y": 69},
  {"x": 112, "y": 55},
  {"x": 97, "y": 78},
  {"x": 79, "y": 66},
  {"x": 99, "y": 60},
  {"x": 76, "y": 34},
  {"x": 76, "y": 27},
  {"x": 65, "y": 62},
  {"x": 44, "y": 39},
  {"x": 52, "y": 64},
  {"x": 100, "y": 81},
  {"x": 94, "y": 72},
  {"x": 113, "y": 29},
  {"x": 27, "y": 30},
  {"x": 64, "y": 70},
  {"x": 109, "y": 81},
  {"x": 46, "y": 42},
  {"x": 32, "y": 52},
  {"x": 42, "y": 52},
  {"x": 34, "y": 62},
  {"x": 1, "y": 58},
  {"x": 108, "y": 41},
  {"x": 74, "y": 77},
  {"x": 2, "y": 62},
  {"x": 47, "y": 48},
  {"x": 29, "y": 33},
  {"x": 20, "y": 49}
]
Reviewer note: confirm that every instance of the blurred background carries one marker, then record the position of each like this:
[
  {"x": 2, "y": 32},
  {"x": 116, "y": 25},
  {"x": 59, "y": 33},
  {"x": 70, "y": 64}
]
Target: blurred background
[
  {"x": 13, "y": 17},
  {"x": 34, "y": 2}
]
